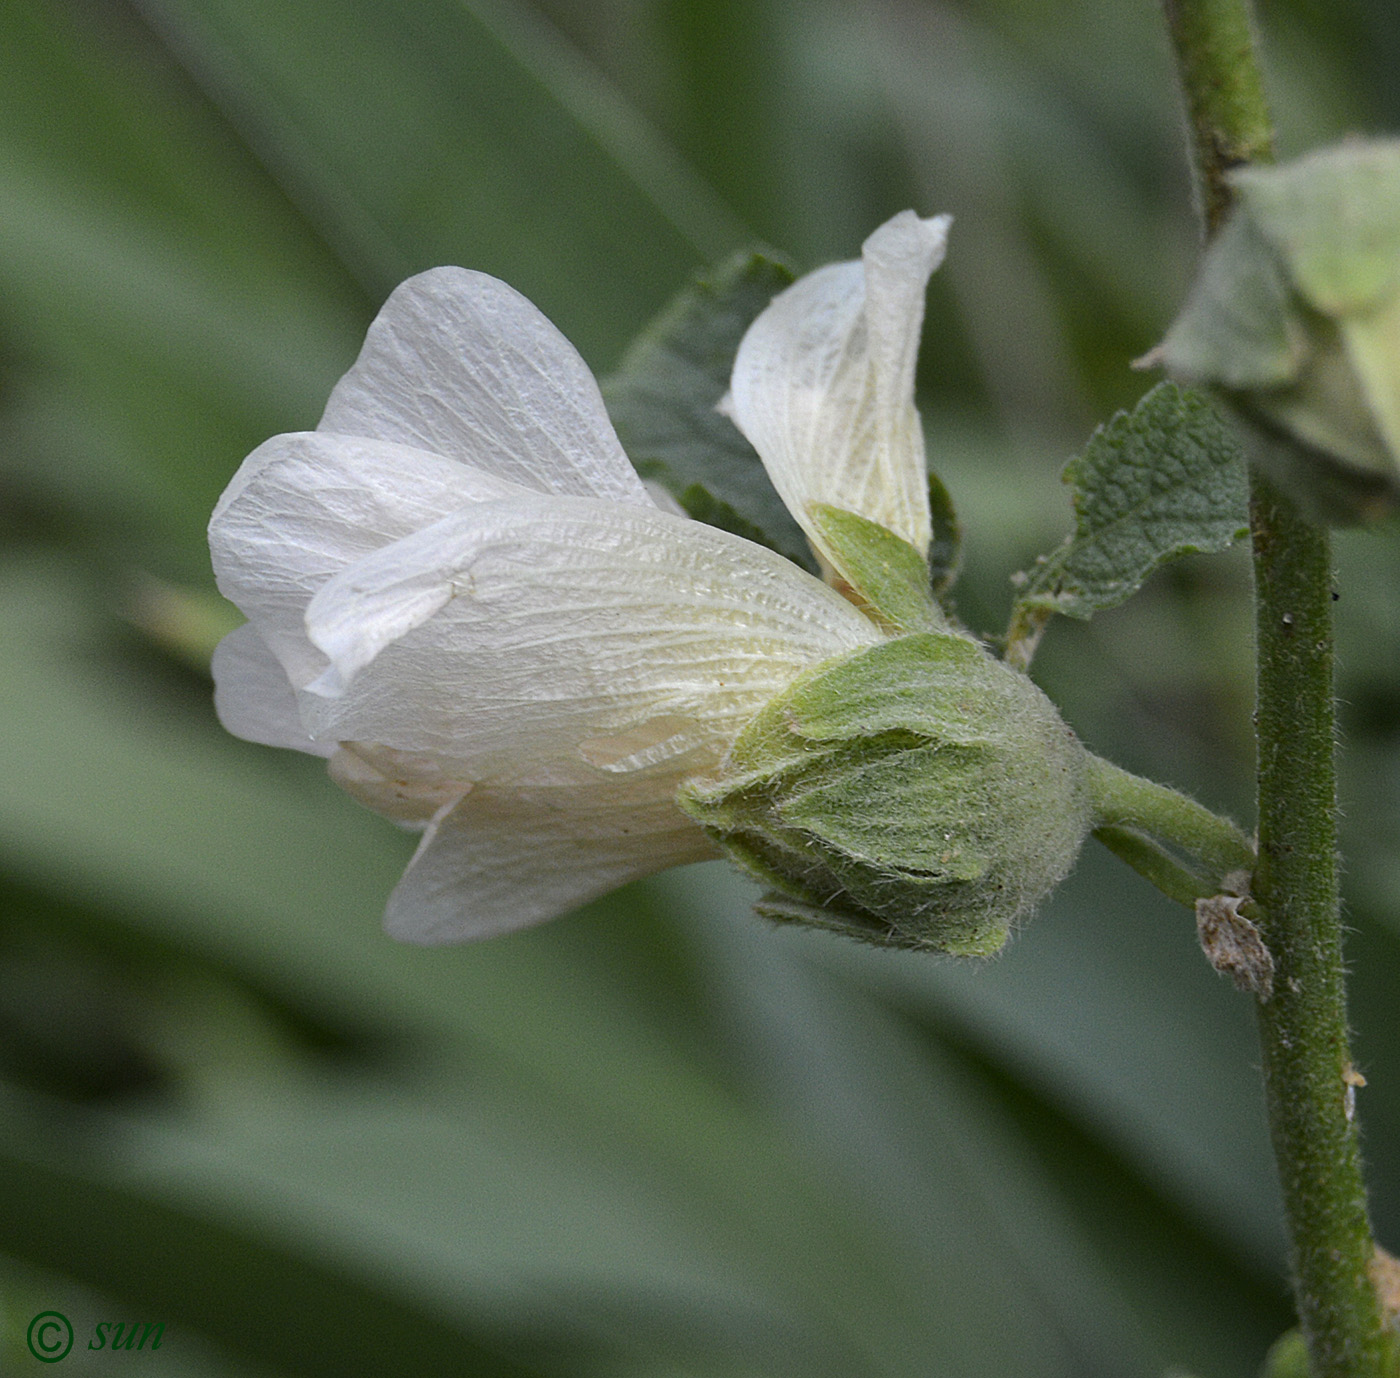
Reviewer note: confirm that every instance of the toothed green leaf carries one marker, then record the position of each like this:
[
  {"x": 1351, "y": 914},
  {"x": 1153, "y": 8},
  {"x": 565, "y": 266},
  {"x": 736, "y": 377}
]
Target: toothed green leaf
[{"x": 1161, "y": 481}]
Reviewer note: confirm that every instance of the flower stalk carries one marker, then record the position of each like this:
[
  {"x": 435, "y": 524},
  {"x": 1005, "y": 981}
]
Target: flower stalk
[
  {"x": 1303, "y": 1028},
  {"x": 1183, "y": 848}
]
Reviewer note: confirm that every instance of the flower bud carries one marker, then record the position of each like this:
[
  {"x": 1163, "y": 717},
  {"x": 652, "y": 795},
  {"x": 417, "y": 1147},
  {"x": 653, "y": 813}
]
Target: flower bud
[
  {"x": 1296, "y": 317},
  {"x": 915, "y": 794}
]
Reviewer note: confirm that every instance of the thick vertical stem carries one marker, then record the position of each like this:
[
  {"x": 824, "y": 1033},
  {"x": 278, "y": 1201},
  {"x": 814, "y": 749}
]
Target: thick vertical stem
[
  {"x": 1230, "y": 124},
  {"x": 1303, "y": 1029}
]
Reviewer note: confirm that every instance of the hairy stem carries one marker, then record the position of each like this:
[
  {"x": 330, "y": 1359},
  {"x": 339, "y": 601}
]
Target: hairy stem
[
  {"x": 1140, "y": 819},
  {"x": 1303, "y": 1029},
  {"x": 1156, "y": 865},
  {"x": 1224, "y": 93}
]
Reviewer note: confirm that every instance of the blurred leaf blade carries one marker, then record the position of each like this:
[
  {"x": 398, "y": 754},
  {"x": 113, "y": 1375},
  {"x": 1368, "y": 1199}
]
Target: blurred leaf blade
[
  {"x": 189, "y": 308},
  {"x": 162, "y": 307},
  {"x": 966, "y": 1095},
  {"x": 311, "y": 1318},
  {"x": 437, "y": 84}
]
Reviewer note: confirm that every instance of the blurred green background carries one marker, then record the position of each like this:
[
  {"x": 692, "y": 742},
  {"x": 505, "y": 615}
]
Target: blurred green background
[{"x": 657, "y": 1137}]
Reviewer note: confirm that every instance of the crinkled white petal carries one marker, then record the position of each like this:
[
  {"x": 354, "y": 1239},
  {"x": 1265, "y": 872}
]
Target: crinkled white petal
[
  {"x": 823, "y": 384},
  {"x": 253, "y": 697},
  {"x": 520, "y": 636},
  {"x": 459, "y": 363},
  {"x": 500, "y": 859},
  {"x": 303, "y": 506},
  {"x": 411, "y": 787}
]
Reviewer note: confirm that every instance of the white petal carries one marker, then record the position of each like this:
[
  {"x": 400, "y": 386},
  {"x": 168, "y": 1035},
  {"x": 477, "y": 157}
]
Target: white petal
[
  {"x": 303, "y": 506},
  {"x": 522, "y": 634},
  {"x": 253, "y": 697},
  {"x": 663, "y": 498},
  {"x": 506, "y": 859},
  {"x": 410, "y": 787},
  {"x": 461, "y": 364},
  {"x": 823, "y": 383}
]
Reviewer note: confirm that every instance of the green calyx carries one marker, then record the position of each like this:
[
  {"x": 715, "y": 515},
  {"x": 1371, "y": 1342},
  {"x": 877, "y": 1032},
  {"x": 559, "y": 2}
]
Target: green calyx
[
  {"x": 884, "y": 576},
  {"x": 1295, "y": 316},
  {"x": 916, "y": 794}
]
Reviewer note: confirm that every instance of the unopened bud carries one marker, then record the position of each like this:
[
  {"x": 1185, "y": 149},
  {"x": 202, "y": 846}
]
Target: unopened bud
[
  {"x": 1296, "y": 318},
  {"x": 915, "y": 794}
]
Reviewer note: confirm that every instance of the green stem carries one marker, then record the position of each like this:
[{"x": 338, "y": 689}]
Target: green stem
[
  {"x": 1224, "y": 93},
  {"x": 1139, "y": 820},
  {"x": 1156, "y": 865},
  {"x": 1303, "y": 1028}
]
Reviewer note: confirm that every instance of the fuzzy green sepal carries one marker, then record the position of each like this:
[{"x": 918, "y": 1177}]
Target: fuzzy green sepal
[
  {"x": 916, "y": 794},
  {"x": 884, "y": 574}
]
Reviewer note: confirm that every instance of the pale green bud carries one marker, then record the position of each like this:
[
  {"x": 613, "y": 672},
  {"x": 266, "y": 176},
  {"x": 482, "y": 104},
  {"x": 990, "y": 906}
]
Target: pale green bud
[
  {"x": 1296, "y": 318},
  {"x": 916, "y": 794}
]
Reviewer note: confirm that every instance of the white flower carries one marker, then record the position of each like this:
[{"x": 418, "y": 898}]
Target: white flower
[{"x": 458, "y": 590}]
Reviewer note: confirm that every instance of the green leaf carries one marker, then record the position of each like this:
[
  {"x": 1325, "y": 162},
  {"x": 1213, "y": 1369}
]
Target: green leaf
[
  {"x": 663, "y": 402},
  {"x": 1084, "y": 1238},
  {"x": 164, "y": 308},
  {"x": 1161, "y": 481}
]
